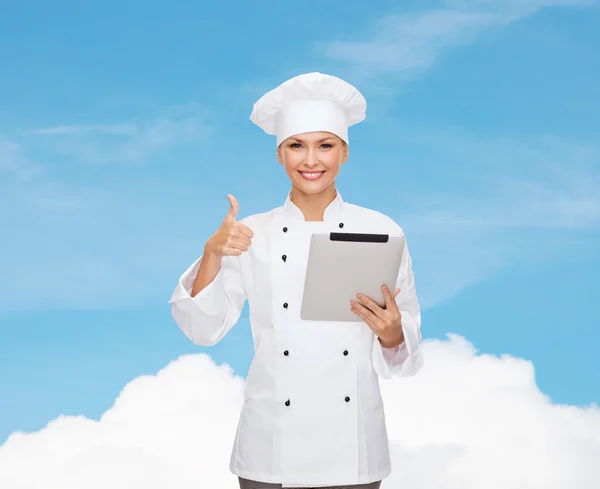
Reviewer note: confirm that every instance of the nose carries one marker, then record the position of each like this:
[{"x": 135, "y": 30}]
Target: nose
[{"x": 311, "y": 158}]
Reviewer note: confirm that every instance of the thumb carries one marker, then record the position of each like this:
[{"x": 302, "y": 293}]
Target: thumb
[{"x": 233, "y": 209}]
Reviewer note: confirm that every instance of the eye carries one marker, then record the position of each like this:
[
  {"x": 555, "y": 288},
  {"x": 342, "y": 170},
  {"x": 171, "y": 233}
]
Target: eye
[
  {"x": 294, "y": 145},
  {"x": 326, "y": 145}
]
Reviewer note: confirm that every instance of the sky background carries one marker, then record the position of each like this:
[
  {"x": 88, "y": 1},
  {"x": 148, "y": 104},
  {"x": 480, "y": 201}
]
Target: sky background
[{"x": 123, "y": 126}]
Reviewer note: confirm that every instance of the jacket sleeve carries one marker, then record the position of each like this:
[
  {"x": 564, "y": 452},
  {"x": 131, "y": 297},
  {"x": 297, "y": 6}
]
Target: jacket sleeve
[
  {"x": 406, "y": 359},
  {"x": 207, "y": 317}
]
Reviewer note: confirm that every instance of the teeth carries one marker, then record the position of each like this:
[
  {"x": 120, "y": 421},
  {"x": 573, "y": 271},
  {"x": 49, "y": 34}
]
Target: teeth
[{"x": 311, "y": 175}]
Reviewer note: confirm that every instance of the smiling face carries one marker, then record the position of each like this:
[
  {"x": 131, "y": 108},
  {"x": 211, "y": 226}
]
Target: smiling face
[{"x": 312, "y": 160}]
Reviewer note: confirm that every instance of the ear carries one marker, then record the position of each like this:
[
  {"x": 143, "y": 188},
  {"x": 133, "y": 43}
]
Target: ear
[
  {"x": 279, "y": 155},
  {"x": 346, "y": 153}
]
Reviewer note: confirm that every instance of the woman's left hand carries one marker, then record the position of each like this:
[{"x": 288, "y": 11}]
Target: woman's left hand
[{"x": 385, "y": 323}]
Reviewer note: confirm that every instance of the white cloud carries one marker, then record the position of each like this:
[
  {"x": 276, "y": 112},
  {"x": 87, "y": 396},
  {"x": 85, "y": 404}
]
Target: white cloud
[
  {"x": 14, "y": 162},
  {"x": 503, "y": 203},
  {"x": 99, "y": 242},
  {"x": 126, "y": 128},
  {"x": 169, "y": 430},
  {"x": 408, "y": 44},
  {"x": 102, "y": 247},
  {"x": 122, "y": 142},
  {"x": 544, "y": 183},
  {"x": 467, "y": 421}
]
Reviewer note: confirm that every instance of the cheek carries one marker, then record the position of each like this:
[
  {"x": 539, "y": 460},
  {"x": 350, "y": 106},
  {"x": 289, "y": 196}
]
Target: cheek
[
  {"x": 333, "y": 159},
  {"x": 289, "y": 169},
  {"x": 291, "y": 160},
  {"x": 288, "y": 166}
]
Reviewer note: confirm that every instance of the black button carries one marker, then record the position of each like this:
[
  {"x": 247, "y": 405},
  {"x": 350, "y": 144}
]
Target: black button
[
  {"x": 347, "y": 399},
  {"x": 287, "y": 403},
  {"x": 284, "y": 257},
  {"x": 341, "y": 224},
  {"x": 285, "y": 230},
  {"x": 286, "y": 353},
  {"x": 345, "y": 352},
  {"x": 285, "y": 304}
]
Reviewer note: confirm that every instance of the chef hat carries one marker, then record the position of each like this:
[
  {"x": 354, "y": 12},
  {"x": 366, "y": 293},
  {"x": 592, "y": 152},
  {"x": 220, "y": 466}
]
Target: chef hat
[{"x": 308, "y": 103}]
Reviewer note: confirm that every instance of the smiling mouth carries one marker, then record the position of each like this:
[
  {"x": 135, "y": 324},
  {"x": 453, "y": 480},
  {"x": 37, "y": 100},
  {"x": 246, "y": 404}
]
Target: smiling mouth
[{"x": 311, "y": 175}]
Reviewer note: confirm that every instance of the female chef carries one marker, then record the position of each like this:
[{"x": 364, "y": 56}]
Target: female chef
[{"x": 313, "y": 412}]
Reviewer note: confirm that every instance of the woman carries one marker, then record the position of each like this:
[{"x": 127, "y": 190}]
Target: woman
[{"x": 313, "y": 413}]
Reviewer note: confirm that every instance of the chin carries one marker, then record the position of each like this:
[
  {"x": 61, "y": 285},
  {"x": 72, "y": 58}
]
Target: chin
[{"x": 312, "y": 188}]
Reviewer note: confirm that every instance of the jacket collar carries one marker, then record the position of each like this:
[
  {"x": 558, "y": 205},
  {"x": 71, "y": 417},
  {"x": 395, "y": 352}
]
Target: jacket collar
[{"x": 333, "y": 211}]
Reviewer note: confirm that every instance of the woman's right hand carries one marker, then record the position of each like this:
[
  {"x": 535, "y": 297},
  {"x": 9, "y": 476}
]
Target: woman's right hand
[{"x": 232, "y": 238}]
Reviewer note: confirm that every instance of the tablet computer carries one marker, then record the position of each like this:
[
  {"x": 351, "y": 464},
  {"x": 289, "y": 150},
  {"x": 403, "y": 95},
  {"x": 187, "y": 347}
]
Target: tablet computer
[{"x": 341, "y": 265}]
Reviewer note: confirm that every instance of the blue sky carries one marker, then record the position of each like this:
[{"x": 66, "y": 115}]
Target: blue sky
[{"x": 123, "y": 126}]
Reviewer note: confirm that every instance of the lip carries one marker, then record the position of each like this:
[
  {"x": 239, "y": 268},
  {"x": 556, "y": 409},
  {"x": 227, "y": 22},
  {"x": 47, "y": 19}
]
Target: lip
[{"x": 302, "y": 173}]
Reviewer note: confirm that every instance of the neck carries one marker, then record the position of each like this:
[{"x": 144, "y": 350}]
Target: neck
[{"x": 313, "y": 205}]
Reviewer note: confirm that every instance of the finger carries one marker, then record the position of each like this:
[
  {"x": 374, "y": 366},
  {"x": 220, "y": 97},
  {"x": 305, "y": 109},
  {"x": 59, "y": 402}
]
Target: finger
[
  {"x": 239, "y": 239},
  {"x": 396, "y": 292},
  {"x": 390, "y": 303},
  {"x": 235, "y": 248},
  {"x": 372, "y": 326},
  {"x": 245, "y": 230},
  {"x": 365, "y": 320},
  {"x": 233, "y": 208},
  {"x": 367, "y": 315},
  {"x": 369, "y": 303},
  {"x": 232, "y": 252}
]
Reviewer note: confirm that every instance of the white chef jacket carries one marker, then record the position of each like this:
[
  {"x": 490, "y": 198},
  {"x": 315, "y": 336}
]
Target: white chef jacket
[{"x": 313, "y": 412}]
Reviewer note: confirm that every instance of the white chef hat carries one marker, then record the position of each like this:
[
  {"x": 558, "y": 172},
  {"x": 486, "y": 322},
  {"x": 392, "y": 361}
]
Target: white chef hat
[{"x": 308, "y": 103}]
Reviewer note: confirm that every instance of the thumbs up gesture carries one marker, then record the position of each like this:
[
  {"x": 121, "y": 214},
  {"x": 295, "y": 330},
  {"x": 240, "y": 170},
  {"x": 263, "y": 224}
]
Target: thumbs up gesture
[{"x": 232, "y": 238}]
